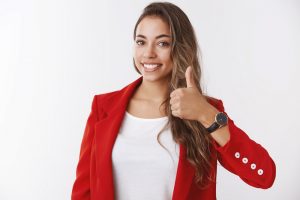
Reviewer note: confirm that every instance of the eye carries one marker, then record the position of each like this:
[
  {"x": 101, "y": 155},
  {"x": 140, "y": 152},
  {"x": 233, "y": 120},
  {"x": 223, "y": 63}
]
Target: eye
[
  {"x": 163, "y": 44},
  {"x": 139, "y": 42}
]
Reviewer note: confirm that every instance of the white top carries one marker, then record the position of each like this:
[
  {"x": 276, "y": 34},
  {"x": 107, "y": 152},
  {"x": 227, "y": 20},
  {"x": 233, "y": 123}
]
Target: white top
[{"x": 143, "y": 169}]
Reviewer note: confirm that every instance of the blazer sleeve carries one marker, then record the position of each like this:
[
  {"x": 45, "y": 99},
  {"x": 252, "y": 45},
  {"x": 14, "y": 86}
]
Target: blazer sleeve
[
  {"x": 245, "y": 158},
  {"x": 81, "y": 186}
]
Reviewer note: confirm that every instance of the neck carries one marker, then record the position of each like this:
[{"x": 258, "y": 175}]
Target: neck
[{"x": 156, "y": 91}]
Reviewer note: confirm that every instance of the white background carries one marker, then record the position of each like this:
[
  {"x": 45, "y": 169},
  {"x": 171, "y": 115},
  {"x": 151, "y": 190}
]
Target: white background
[{"x": 55, "y": 55}]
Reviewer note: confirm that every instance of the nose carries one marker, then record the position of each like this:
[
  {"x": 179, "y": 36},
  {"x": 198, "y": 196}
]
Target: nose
[{"x": 149, "y": 51}]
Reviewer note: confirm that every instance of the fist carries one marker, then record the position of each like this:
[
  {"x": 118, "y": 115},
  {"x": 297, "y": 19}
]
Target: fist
[{"x": 189, "y": 103}]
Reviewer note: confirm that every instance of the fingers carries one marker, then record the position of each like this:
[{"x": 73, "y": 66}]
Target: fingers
[
  {"x": 174, "y": 100},
  {"x": 176, "y": 113},
  {"x": 175, "y": 107},
  {"x": 177, "y": 92},
  {"x": 173, "y": 94}
]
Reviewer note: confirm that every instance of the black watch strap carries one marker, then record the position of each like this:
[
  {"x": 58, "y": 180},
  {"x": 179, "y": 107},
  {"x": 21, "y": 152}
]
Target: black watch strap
[{"x": 213, "y": 127}]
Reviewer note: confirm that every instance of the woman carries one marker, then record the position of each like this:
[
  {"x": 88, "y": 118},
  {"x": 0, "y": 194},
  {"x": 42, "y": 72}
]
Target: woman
[{"x": 160, "y": 137}]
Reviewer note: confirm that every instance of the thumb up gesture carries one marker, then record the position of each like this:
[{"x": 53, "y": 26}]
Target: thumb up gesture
[{"x": 189, "y": 103}]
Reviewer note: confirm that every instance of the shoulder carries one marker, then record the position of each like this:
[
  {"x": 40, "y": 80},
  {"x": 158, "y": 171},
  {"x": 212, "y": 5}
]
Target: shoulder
[
  {"x": 102, "y": 99},
  {"x": 116, "y": 94},
  {"x": 106, "y": 95}
]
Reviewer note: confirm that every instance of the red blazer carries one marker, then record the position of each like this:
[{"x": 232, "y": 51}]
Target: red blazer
[{"x": 94, "y": 176}]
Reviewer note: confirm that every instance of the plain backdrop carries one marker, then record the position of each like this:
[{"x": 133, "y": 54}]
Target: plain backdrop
[{"x": 56, "y": 55}]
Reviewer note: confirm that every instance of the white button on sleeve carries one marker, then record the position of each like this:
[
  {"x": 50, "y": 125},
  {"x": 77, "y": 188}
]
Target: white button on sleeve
[
  {"x": 260, "y": 172},
  {"x": 253, "y": 166},
  {"x": 245, "y": 160},
  {"x": 237, "y": 155}
]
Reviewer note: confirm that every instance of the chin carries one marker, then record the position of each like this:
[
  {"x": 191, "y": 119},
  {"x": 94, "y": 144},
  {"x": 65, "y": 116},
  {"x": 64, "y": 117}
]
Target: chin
[{"x": 155, "y": 78}]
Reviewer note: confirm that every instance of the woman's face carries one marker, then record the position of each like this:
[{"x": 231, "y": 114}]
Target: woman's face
[{"x": 152, "y": 49}]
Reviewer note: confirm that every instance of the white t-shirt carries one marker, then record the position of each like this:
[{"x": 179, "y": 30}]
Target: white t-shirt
[{"x": 142, "y": 169}]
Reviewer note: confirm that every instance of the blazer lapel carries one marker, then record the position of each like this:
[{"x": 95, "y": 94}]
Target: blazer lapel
[{"x": 106, "y": 131}]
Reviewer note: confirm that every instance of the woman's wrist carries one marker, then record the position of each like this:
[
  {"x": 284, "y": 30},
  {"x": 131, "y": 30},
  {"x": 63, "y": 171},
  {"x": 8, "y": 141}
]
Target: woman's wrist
[{"x": 208, "y": 118}]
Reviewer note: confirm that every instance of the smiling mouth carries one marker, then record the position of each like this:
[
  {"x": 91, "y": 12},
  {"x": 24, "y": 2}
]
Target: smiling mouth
[{"x": 151, "y": 67}]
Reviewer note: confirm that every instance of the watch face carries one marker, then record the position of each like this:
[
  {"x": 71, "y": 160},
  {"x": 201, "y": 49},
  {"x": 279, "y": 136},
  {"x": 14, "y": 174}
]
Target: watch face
[{"x": 221, "y": 118}]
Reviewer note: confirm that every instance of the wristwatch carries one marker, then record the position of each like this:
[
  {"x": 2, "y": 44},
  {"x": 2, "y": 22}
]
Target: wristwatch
[{"x": 221, "y": 119}]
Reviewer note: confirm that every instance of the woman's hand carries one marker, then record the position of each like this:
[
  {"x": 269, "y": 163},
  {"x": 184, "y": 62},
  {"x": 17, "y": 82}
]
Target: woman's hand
[{"x": 188, "y": 103}]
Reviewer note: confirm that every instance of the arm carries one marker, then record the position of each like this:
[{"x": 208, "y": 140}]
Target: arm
[
  {"x": 241, "y": 155},
  {"x": 81, "y": 186}
]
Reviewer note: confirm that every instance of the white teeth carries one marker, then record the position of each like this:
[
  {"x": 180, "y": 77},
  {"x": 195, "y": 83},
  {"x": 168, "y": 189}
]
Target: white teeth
[{"x": 151, "y": 66}]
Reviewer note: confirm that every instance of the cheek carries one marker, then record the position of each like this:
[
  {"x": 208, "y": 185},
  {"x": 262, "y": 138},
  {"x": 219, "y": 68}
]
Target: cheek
[
  {"x": 137, "y": 59},
  {"x": 166, "y": 57},
  {"x": 136, "y": 54}
]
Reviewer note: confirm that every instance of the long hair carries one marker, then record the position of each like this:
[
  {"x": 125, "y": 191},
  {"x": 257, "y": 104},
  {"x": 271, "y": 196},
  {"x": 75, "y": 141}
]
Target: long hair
[{"x": 184, "y": 52}]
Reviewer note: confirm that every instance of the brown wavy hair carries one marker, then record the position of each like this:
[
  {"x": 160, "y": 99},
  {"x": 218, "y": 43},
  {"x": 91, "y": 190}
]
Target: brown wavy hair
[{"x": 184, "y": 52}]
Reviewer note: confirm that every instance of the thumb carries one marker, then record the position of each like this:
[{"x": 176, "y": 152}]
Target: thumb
[{"x": 189, "y": 77}]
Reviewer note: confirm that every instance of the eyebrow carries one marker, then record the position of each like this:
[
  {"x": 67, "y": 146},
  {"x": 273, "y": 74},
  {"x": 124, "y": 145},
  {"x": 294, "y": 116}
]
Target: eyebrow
[{"x": 157, "y": 37}]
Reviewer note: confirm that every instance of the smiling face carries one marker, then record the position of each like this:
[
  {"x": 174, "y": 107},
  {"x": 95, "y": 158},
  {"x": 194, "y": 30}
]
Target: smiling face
[{"x": 152, "y": 49}]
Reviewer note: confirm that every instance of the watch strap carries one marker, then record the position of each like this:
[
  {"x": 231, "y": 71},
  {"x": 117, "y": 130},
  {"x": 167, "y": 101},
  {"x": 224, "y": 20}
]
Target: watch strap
[{"x": 213, "y": 127}]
